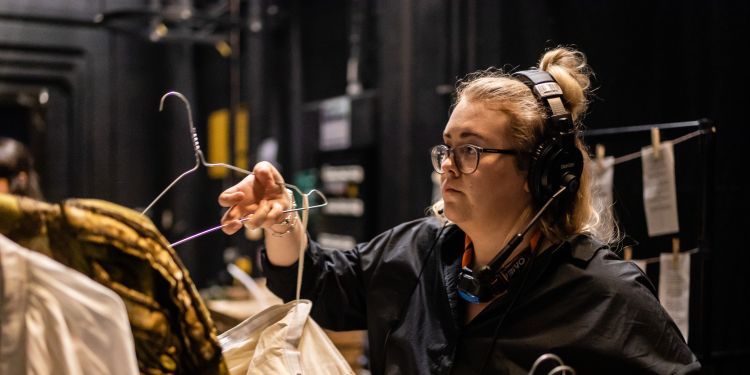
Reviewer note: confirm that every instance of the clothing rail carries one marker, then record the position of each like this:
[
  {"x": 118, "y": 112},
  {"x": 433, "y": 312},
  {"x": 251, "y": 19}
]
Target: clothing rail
[{"x": 646, "y": 128}]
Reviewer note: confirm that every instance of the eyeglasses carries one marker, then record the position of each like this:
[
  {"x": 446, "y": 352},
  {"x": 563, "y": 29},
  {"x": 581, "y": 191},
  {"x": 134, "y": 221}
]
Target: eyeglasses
[{"x": 465, "y": 157}]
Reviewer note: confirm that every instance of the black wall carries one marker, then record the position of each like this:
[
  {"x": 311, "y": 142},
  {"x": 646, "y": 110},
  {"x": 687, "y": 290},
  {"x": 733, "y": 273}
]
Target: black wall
[
  {"x": 654, "y": 63},
  {"x": 100, "y": 134},
  {"x": 104, "y": 137}
]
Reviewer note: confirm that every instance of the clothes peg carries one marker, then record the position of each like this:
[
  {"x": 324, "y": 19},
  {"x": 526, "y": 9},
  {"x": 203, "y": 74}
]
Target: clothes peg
[
  {"x": 676, "y": 251},
  {"x": 628, "y": 253},
  {"x": 600, "y": 153},
  {"x": 656, "y": 141}
]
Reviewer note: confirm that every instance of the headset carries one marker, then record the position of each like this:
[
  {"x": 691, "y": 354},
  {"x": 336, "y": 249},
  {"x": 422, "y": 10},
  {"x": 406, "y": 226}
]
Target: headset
[{"x": 556, "y": 167}]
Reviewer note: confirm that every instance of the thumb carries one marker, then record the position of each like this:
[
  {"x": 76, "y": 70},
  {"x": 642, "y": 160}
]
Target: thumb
[{"x": 267, "y": 175}]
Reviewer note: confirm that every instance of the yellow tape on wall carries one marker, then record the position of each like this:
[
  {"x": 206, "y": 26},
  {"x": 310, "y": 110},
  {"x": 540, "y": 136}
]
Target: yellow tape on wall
[{"x": 218, "y": 141}]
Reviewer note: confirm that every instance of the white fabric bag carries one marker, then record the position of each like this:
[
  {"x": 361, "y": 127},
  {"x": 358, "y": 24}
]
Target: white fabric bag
[
  {"x": 282, "y": 339},
  {"x": 55, "y": 320}
]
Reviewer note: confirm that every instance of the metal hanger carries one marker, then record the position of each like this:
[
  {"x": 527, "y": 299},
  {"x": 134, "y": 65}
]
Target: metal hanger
[
  {"x": 305, "y": 208},
  {"x": 561, "y": 367},
  {"x": 201, "y": 160}
]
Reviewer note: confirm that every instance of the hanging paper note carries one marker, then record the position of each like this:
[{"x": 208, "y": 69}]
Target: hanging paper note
[
  {"x": 674, "y": 288},
  {"x": 659, "y": 193},
  {"x": 603, "y": 172}
]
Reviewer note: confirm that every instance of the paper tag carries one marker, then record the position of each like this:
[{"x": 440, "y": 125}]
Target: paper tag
[
  {"x": 674, "y": 288},
  {"x": 603, "y": 172},
  {"x": 659, "y": 193}
]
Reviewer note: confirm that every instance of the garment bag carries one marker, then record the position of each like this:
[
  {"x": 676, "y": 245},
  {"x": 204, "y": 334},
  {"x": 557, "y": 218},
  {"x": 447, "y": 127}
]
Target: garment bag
[
  {"x": 282, "y": 339},
  {"x": 55, "y": 320}
]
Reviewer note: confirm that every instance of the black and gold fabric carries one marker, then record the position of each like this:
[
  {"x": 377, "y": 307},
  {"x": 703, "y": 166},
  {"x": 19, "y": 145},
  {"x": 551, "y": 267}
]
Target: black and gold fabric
[{"x": 123, "y": 250}]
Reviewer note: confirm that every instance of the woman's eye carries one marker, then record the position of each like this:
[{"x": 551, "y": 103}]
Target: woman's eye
[{"x": 467, "y": 151}]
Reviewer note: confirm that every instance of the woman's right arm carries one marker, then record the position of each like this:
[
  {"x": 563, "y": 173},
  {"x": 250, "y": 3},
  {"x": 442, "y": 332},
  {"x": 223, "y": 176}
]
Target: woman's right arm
[{"x": 263, "y": 196}]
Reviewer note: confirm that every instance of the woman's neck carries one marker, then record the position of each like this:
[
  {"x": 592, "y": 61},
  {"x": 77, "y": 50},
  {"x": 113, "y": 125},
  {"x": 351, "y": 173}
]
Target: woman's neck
[{"x": 488, "y": 240}]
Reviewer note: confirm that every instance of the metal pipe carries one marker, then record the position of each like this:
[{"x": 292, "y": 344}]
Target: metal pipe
[{"x": 641, "y": 128}]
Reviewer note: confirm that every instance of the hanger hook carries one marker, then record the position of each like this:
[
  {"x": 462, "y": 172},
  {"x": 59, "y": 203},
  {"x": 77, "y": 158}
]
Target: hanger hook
[
  {"x": 563, "y": 369},
  {"x": 193, "y": 132},
  {"x": 543, "y": 358}
]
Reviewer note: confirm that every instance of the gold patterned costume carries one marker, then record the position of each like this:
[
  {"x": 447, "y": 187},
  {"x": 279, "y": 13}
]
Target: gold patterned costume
[{"x": 121, "y": 249}]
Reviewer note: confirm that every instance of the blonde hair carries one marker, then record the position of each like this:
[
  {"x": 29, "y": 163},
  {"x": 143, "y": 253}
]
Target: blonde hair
[{"x": 499, "y": 91}]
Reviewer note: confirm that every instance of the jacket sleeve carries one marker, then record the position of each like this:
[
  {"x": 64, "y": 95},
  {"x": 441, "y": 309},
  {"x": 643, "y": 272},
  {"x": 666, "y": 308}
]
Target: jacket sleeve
[
  {"x": 347, "y": 285},
  {"x": 332, "y": 279}
]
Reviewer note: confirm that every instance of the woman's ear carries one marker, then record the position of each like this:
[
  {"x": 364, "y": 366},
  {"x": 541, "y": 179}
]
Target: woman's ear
[{"x": 526, "y": 186}]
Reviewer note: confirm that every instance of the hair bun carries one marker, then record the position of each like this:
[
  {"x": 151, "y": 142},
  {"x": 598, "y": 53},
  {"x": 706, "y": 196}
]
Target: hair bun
[{"x": 571, "y": 71}]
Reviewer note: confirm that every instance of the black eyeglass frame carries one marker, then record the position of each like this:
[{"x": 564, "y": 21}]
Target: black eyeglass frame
[{"x": 451, "y": 154}]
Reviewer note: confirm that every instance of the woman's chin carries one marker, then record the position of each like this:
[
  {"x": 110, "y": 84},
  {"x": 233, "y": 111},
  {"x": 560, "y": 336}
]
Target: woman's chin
[{"x": 453, "y": 214}]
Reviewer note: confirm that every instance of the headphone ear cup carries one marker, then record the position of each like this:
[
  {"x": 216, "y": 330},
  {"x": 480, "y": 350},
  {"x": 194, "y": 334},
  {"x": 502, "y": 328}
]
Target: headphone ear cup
[
  {"x": 553, "y": 166},
  {"x": 539, "y": 171}
]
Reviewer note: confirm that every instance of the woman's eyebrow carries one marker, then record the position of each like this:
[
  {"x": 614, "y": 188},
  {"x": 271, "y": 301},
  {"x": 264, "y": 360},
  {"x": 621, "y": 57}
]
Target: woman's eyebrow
[{"x": 465, "y": 134}]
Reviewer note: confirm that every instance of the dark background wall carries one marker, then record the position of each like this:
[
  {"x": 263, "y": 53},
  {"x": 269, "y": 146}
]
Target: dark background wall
[{"x": 99, "y": 134}]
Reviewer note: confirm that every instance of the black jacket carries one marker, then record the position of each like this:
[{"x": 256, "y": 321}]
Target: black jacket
[{"x": 578, "y": 300}]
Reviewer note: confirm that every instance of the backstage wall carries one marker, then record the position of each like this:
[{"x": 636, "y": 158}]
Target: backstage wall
[{"x": 99, "y": 134}]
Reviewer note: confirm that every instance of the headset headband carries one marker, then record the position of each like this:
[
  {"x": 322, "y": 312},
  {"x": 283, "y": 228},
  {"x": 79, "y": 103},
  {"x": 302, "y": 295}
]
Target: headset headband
[{"x": 548, "y": 92}]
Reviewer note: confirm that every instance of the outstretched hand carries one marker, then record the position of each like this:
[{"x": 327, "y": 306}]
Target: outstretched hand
[{"x": 261, "y": 195}]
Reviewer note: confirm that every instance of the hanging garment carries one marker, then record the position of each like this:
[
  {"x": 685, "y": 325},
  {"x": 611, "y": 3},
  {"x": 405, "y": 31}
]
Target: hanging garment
[
  {"x": 56, "y": 320},
  {"x": 122, "y": 250},
  {"x": 282, "y": 339}
]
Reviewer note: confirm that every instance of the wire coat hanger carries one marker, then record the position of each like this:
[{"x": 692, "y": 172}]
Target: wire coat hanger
[
  {"x": 547, "y": 357},
  {"x": 201, "y": 160},
  {"x": 306, "y": 207}
]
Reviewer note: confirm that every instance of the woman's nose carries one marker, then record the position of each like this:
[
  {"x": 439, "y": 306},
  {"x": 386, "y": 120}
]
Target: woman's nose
[{"x": 449, "y": 166}]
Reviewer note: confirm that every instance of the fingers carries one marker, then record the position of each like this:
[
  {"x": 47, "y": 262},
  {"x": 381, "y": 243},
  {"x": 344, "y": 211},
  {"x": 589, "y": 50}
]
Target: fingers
[
  {"x": 259, "y": 197},
  {"x": 260, "y": 215},
  {"x": 238, "y": 193},
  {"x": 231, "y": 198},
  {"x": 263, "y": 215},
  {"x": 231, "y": 218},
  {"x": 275, "y": 215},
  {"x": 230, "y": 224},
  {"x": 269, "y": 177},
  {"x": 265, "y": 171}
]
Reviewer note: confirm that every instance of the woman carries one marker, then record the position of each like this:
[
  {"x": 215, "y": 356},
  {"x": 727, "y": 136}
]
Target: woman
[{"x": 445, "y": 294}]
